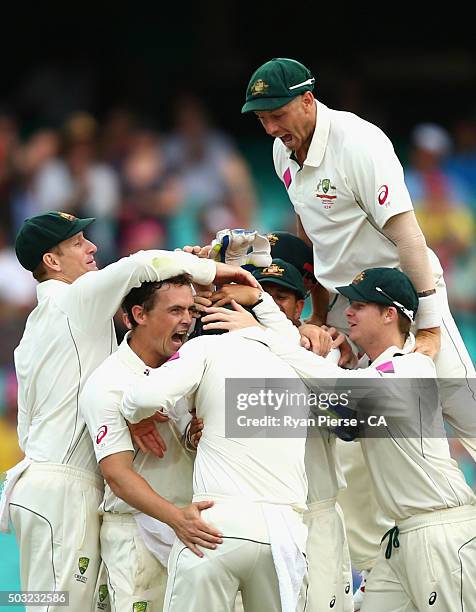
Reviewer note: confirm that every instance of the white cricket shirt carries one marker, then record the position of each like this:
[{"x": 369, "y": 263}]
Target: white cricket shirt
[
  {"x": 411, "y": 475},
  {"x": 67, "y": 335},
  {"x": 351, "y": 173},
  {"x": 100, "y": 403},
  {"x": 258, "y": 469}
]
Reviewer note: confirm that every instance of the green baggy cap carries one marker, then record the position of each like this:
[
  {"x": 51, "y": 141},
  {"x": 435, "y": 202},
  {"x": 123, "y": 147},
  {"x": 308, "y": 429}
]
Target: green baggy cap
[
  {"x": 387, "y": 286},
  {"x": 282, "y": 273},
  {"x": 294, "y": 250},
  {"x": 276, "y": 83}
]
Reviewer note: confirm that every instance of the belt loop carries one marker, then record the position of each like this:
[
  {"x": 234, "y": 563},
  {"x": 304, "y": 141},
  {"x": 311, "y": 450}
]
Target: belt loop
[{"x": 393, "y": 541}]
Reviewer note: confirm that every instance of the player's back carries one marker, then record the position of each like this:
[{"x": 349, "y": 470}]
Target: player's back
[{"x": 258, "y": 468}]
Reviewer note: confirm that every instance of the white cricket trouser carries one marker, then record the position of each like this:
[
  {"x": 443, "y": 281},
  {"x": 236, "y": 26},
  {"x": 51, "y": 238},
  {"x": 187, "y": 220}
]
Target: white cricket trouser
[
  {"x": 329, "y": 568},
  {"x": 365, "y": 522},
  {"x": 458, "y": 397},
  {"x": 433, "y": 567},
  {"x": 241, "y": 563},
  {"x": 134, "y": 574},
  {"x": 53, "y": 508}
]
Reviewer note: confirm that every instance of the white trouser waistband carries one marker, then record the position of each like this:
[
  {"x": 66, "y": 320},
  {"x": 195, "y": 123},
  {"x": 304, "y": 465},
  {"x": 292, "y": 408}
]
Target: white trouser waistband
[
  {"x": 316, "y": 508},
  {"x": 117, "y": 517},
  {"x": 74, "y": 472},
  {"x": 438, "y": 517}
]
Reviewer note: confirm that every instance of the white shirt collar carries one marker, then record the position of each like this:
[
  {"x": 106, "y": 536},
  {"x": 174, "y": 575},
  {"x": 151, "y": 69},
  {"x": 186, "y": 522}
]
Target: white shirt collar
[
  {"x": 388, "y": 353},
  {"x": 318, "y": 145},
  {"x": 131, "y": 359}
]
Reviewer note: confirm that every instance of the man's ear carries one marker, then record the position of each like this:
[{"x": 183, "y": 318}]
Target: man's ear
[
  {"x": 391, "y": 314},
  {"x": 308, "y": 101},
  {"x": 139, "y": 314},
  {"x": 52, "y": 262},
  {"x": 299, "y": 308}
]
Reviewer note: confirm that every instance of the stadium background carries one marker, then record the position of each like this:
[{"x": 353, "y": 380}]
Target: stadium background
[{"x": 136, "y": 120}]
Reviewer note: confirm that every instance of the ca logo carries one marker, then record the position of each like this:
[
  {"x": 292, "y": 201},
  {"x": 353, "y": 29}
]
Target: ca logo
[
  {"x": 432, "y": 599},
  {"x": 332, "y": 602}
]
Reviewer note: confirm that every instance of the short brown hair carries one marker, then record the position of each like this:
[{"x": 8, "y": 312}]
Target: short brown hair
[
  {"x": 40, "y": 273},
  {"x": 145, "y": 295}
]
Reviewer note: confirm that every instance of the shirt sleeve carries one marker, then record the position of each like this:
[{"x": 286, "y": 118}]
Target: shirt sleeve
[
  {"x": 107, "y": 427},
  {"x": 94, "y": 298},
  {"x": 375, "y": 175},
  {"x": 165, "y": 386}
]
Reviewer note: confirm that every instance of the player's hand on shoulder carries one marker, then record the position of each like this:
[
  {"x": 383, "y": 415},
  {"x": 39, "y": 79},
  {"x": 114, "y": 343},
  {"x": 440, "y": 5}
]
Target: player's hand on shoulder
[
  {"x": 428, "y": 342},
  {"x": 193, "y": 531}
]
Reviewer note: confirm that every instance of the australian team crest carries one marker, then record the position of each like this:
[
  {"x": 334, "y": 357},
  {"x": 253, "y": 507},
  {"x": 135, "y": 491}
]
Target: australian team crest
[
  {"x": 67, "y": 216},
  {"x": 359, "y": 278},
  {"x": 103, "y": 592},
  {"x": 326, "y": 191},
  {"x": 273, "y": 270},
  {"x": 259, "y": 87},
  {"x": 139, "y": 606},
  {"x": 83, "y": 563},
  {"x": 102, "y": 596}
]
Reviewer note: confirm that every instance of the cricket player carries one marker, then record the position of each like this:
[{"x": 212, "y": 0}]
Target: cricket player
[
  {"x": 347, "y": 188},
  {"x": 329, "y": 567},
  {"x": 160, "y": 314},
  {"x": 346, "y": 185},
  {"x": 428, "y": 558},
  {"x": 53, "y": 495},
  {"x": 259, "y": 485}
]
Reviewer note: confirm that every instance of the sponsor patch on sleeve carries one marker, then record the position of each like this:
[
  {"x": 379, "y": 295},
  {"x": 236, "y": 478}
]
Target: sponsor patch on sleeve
[{"x": 101, "y": 434}]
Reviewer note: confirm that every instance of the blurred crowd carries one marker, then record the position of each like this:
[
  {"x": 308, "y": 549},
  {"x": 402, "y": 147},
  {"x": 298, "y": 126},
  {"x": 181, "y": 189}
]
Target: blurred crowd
[{"x": 150, "y": 189}]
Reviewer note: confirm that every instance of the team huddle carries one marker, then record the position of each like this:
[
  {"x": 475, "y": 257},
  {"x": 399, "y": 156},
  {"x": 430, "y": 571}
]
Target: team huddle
[{"x": 131, "y": 495}]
